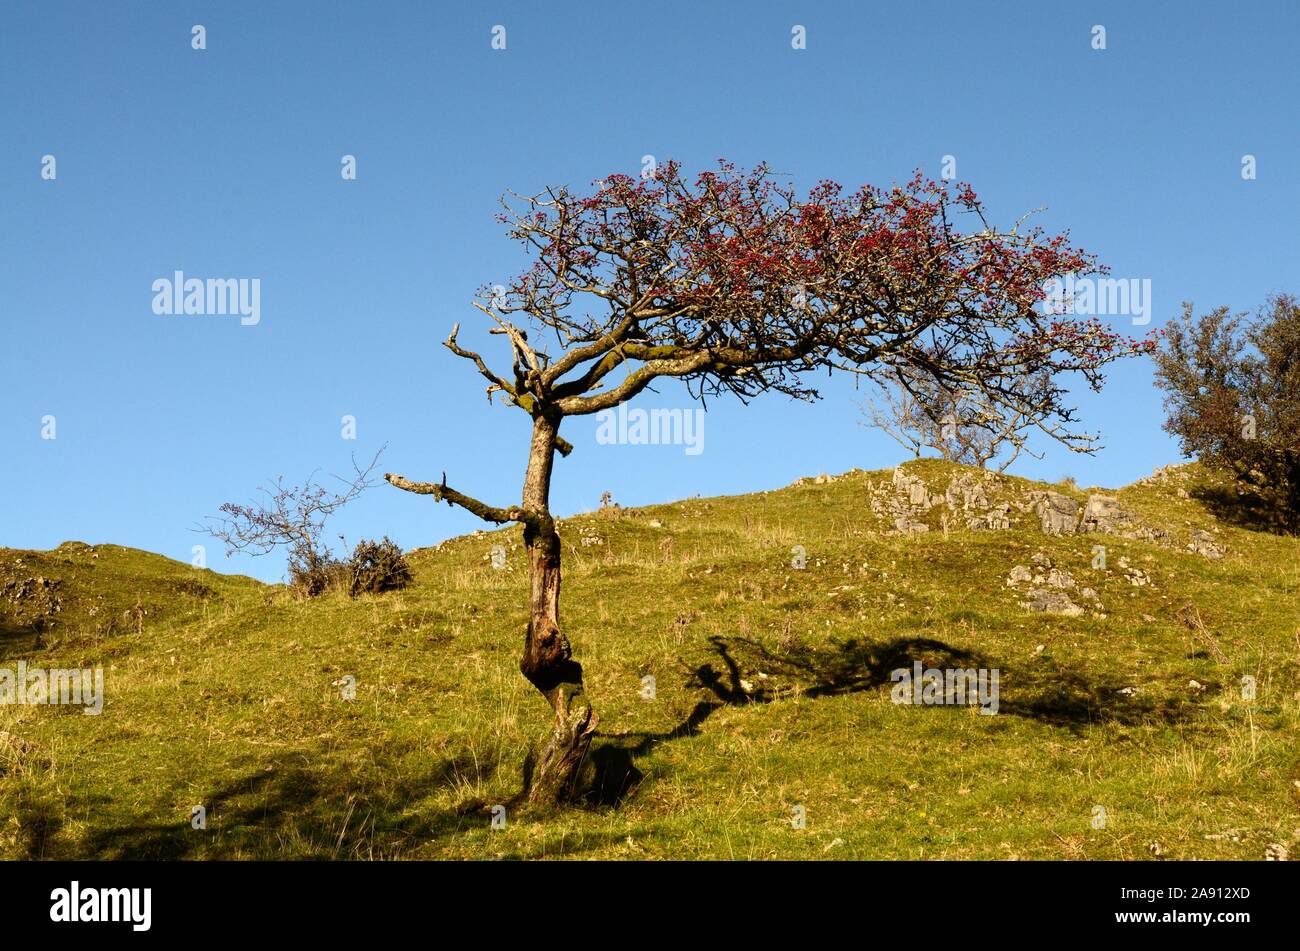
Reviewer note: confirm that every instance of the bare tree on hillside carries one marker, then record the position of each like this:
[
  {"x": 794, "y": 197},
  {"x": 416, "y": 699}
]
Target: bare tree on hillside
[{"x": 920, "y": 413}]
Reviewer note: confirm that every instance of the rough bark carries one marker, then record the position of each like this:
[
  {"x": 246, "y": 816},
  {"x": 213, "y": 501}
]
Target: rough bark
[{"x": 548, "y": 660}]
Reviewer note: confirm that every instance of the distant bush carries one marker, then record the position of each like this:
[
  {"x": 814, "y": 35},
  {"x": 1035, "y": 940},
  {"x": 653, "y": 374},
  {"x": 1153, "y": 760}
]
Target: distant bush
[
  {"x": 293, "y": 518},
  {"x": 312, "y": 577},
  {"x": 373, "y": 568},
  {"x": 1232, "y": 390},
  {"x": 376, "y": 567}
]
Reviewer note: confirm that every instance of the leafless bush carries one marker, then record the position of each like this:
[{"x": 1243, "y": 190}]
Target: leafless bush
[
  {"x": 919, "y": 413},
  {"x": 293, "y": 518}
]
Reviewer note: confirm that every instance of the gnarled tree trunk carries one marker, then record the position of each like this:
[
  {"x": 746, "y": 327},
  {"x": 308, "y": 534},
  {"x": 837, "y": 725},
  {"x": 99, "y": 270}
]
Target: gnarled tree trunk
[{"x": 548, "y": 662}]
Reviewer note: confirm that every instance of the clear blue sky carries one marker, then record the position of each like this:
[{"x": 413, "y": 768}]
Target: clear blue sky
[{"x": 225, "y": 163}]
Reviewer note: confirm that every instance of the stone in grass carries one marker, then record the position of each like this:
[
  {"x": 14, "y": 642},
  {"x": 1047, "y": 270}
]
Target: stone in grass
[
  {"x": 1056, "y": 578},
  {"x": 1051, "y": 601},
  {"x": 1204, "y": 544}
]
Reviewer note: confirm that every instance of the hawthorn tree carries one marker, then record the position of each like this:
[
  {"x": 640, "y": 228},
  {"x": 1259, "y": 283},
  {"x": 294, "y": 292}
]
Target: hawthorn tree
[{"x": 734, "y": 283}]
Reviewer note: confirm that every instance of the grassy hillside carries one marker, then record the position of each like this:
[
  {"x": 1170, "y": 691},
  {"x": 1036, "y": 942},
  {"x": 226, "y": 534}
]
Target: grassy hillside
[{"x": 771, "y": 691}]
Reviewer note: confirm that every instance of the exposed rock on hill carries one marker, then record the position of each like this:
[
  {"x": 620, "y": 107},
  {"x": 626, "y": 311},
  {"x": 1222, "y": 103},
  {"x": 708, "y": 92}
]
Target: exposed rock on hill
[
  {"x": 988, "y": 501},
  {"x": 1058, "y": 514},
  {"x": 1045, "y": 588}
]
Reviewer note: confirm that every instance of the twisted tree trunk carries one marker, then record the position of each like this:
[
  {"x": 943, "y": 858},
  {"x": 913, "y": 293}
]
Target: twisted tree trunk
[{"x": 548, "y": 662}]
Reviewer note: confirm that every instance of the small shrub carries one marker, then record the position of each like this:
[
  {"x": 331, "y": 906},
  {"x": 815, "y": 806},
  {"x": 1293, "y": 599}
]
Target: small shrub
[
  {"x": 310, "y": 578},
  {"x": 376, "y": 567},
  {"x": 293, "y": 518}
]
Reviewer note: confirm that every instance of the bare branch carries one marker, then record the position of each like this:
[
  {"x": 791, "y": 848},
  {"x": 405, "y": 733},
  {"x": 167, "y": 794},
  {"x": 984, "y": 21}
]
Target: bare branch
[{"x": 442, "y": 492}]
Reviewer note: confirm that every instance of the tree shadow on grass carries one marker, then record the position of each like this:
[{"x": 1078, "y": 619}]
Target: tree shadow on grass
[
  {"x": 1044, "y": 691},
  {"x": 848, "y": 667},
  {"x": 312, "y": 813},
  {"x": 309, "y": 812},
  {"x": 1243, "y": 510}
]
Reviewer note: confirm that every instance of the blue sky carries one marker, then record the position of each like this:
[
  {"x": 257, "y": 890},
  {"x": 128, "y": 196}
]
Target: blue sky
[{"x": 225, "y": 162}]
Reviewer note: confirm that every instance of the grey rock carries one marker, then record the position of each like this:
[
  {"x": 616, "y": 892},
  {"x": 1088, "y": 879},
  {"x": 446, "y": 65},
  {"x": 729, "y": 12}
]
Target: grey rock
[
  {"x": 1058, "y": 514},
  {"x": 966, "y": 493},
  {"x": 1057, "y": 578},
  {"x": 1051, "y": 601},
  {"x": 1203, "y": 543},
  {"x": 913, "y": 490},
  {"x": 1146, "y": 533},
  {"x": 1104, "y": 514}
]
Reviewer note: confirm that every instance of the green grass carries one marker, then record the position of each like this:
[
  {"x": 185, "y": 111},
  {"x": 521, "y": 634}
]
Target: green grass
[{"x": 219, "y": 691}]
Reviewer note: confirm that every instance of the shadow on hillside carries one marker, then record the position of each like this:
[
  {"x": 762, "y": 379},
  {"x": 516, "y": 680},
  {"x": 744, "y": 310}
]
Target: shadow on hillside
[
  {"x": 1045, "y": 692},
  {"x": 17, "y": 639},
  {"x": 299, "y": 811},
  {"x": 848, "y": 667},
  {"x": 309, "y": 813},
  {"x": 1246, "y": 511}
]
